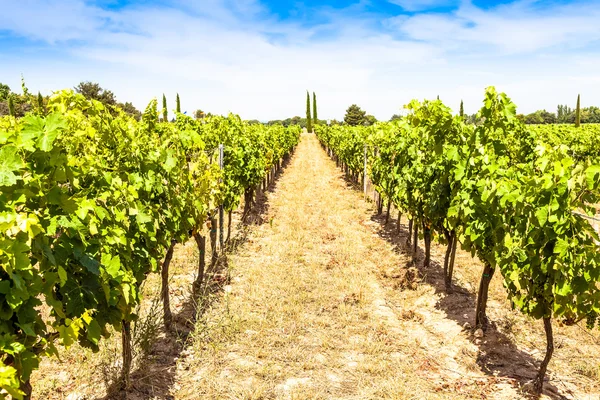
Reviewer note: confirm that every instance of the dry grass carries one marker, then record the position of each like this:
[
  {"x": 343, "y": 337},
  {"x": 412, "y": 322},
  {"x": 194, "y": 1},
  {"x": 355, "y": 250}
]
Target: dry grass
[{"x": 305, "y": 316}]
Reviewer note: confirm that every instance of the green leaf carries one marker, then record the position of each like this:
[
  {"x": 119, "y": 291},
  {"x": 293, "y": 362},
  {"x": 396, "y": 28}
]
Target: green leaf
[
  {"x": 111, "y": 265},
  {"x": 561, "y": 246},
  {"x": 591, "y": 176},
  {"x": 62, "y": 275},
  {"x": 33, "y": 128},
  {"x": 542, "y": 215},
  {"x": 94, "y": 332},
  {"x": 10, "y": 382},
  {"x": 170, "y": 163},
  {"x": 10, "y": 162},
  {"x": 4, "y": 286},
  {"x": 88, "y": 262},
  {"x": 54, "y": 124}
]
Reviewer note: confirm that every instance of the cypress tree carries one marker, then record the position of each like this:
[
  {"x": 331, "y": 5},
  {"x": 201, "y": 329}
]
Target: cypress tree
[
  {"x": 438, "y": 97},
  {"x": 11, "y": 106},
  {"x": 462, "y": 110},
  {"x": 178, "y": 104},
  {"x": 315, "y": 118},
  {"x": 578, "y": 112},
  {"x": 165, "y": 112},
  {"x": 40, "y": 103},
  {"x": 308, "y": 119}
]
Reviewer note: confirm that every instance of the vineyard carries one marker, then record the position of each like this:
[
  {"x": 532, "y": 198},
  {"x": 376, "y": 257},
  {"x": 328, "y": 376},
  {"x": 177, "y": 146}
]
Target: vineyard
[
  {"x": 521, "y": 200},
  {"x": 94, "y": 204},
  {"x": 94, "y": 201}
]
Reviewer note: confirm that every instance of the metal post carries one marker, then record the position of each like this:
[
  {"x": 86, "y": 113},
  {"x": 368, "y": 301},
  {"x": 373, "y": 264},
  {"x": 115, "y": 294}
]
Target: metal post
[
  {"x": 221, "y": 216},
  {"x": 365, "y": 173}
]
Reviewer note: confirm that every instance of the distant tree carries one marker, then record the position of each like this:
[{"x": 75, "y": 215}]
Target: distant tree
[
  {"x": 355, "y": 116},
  {"x": 564, "y": 114},
  {"x": 4, "y": 92},
  {"x": 309, "y": 127},
  {"x": 473, "y": 119},
  {"x": 131, "y": 110},
  {"x": 548, "y": 117},
  {"x": 396, "y": 117},
  {"x": 93, "y": 91},
  {"x": 11, "y": 106},
  {"x": 370, "y": 120},
  {"x": 335, "y": 122},
  {"x": 590, "y": 115},
  {"x": 315, "y": 118},
  {"x": 438, "y": 96},
  {"x": 578, "y": 112},
  {"x": 254, "y": 122},
  {"x": 178, "y": 104},
  {"x": 199, "y": 114},
  {"x": 40, "y": 104},
  {"x": 165, "y": 111},
  {"x": 462, "y": 109},
  {"x": 540, "y": 117},
  {"x": 534, "y": 118}
]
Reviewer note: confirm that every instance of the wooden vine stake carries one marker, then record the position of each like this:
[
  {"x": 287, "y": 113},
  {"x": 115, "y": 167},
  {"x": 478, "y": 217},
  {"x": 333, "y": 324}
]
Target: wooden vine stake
[
  {"x": 365, "y": 172},
  {"x": 164, "y": 290},
  {"x": 221, "y": 218},
  {"x": 213, "y": 240},
  {"x": 201, "y": 243}
]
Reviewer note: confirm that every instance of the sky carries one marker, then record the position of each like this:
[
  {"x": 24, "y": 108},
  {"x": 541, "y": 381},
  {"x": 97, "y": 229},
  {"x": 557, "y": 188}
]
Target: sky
[{"x": 257, "y": 58}]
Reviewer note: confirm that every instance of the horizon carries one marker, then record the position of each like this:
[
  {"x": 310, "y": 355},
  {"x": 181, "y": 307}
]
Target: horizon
[{"x": 257, "y": 58}]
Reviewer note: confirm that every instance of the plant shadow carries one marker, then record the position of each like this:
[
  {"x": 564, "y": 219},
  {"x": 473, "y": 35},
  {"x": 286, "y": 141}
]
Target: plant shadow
[{"x": 498, "y": 355}]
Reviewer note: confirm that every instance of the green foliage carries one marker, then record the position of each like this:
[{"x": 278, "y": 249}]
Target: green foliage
[
  {"x": 540, "y": 117},
  {"x": 355, "y": 116},
  {"x": 4, "y": 92},
  {"x": 93, "y": 91},
  {"x": 462, "y": 109},
  {"x": 130, "y": 109},
  {"x": 581, "y": 142},
  {"x": 178, "y": 104},
  {"x": 40, "y": 104},
  {"x": 309, "y": 126},
  {"x": 11, "y": 106},
  {"x": 91, "y": 199},
  {"x": 515, "y": 195},
  {"x": 370, "y": 120},
  {"x": 564, "y": 114},
  {"x": 165, "y": 112}
]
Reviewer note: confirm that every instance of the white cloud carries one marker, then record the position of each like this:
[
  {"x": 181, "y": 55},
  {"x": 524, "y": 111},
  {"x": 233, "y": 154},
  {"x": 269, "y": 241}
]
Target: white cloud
[
  {"x": 419, "y": 5},
  {"x": 512, "y": 28},
  {"x": 52, "y": 21},
  {"x": 231, "y": 55}
]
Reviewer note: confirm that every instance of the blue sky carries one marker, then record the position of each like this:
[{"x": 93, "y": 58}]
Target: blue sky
[{"x": 257, "y": 58}]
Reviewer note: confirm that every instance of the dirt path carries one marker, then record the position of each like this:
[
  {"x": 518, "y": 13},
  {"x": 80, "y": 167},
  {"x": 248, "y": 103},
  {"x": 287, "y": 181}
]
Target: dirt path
[{"x": 315, "y": 310}]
